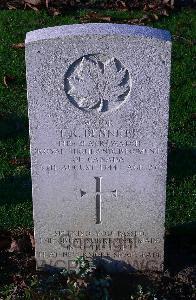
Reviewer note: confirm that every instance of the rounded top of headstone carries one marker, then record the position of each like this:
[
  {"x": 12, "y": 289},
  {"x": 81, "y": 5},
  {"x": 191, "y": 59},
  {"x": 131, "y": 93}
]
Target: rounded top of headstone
[{"x": 96, "y": 29}]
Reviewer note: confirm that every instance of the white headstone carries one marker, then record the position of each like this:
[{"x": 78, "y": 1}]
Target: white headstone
[{"x": 98, "y": 109}]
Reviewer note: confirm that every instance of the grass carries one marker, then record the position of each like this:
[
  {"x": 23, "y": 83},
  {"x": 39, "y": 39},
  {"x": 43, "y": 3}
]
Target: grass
[{"x": 15, "y": 183}]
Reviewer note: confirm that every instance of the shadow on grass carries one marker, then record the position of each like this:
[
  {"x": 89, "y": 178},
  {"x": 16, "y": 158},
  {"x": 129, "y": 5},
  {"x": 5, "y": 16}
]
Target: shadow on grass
[
  {"x": 181, "y": 163},
  {"x": 12, "y": 126},
  {"x": 14, "y": 190},
  {"x": 180, "y": 247}
]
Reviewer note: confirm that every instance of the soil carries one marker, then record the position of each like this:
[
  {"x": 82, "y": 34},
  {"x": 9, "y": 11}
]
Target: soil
[
  {"x": 105, "y": 4},
  {"x": 178, "y": 281}
]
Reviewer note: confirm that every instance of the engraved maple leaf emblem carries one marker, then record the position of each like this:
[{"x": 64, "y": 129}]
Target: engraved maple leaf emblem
[{"x": 97, "y": 83}]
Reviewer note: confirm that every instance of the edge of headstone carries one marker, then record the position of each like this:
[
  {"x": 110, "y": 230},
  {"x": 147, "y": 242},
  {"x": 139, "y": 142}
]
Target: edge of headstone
[{"x": 96, "y": 29}]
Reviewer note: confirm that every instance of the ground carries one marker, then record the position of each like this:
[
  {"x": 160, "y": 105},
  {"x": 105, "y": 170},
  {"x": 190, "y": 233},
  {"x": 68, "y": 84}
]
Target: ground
[{"x": 18, "y": 276}]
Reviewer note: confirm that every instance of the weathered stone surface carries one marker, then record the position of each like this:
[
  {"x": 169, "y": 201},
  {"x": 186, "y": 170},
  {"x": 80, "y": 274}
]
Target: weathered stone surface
[{"x": 98, "y": 110}]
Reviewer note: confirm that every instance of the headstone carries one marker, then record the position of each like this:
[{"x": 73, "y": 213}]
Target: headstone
[{"x": 98, "y": 110}]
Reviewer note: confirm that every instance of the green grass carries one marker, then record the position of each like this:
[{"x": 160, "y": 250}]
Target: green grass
[{"x": 15, "y": 183}]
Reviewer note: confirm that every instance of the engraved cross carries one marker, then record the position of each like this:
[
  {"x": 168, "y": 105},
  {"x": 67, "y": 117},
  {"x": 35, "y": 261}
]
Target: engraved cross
[{"x": 98, "y": 193}]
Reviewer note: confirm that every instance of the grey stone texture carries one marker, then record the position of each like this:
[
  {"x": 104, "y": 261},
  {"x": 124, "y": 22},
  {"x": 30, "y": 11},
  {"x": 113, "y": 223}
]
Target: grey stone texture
[{"x": 98, "y": 109}]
